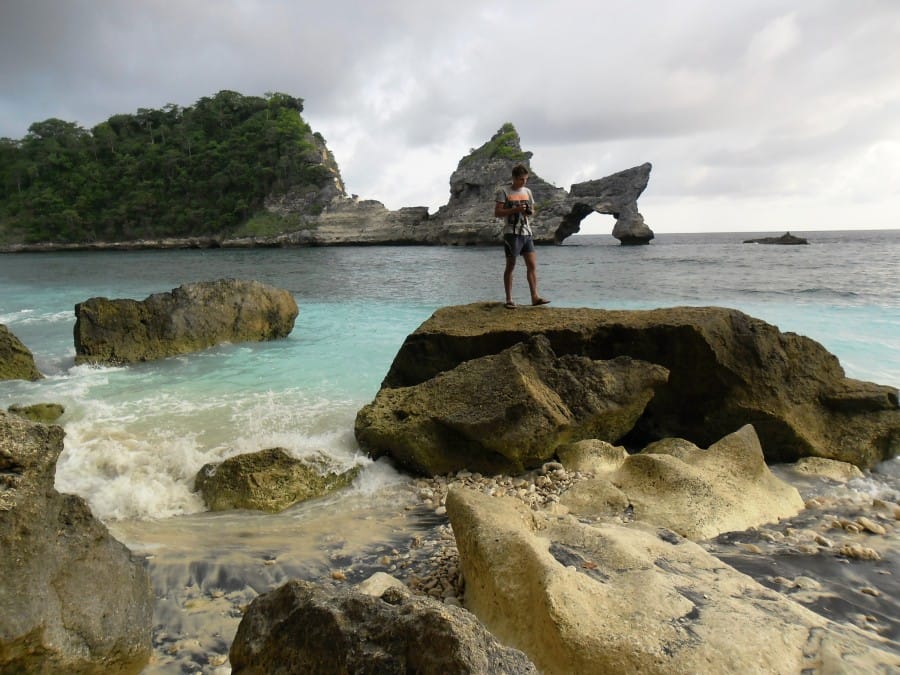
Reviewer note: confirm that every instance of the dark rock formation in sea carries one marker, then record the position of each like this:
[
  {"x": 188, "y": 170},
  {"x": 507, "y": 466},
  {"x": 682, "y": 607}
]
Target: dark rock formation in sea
[
  {"x": 303, "y": 628},
  {"x": 786, "y": 239},
  {"x": 269, "y": 480},
  {"x": 187, "y": 319},
  {"x": 72, "y": 598},
  {"x": 726, "y": 370},
  {"x": 16, "y": 361},
  {"x": 508, "y": 412}
]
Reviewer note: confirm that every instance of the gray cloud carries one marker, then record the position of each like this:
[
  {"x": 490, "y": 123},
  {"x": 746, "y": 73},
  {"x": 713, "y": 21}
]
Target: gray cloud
[{"x": 732, "y": 102}]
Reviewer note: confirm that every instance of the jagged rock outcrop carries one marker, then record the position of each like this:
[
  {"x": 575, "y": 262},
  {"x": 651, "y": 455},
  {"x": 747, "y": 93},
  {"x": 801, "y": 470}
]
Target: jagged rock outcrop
[
  {"x": 332, "y": 217},
  {"x": 16, "y": 361},
  {"x": 726, "y": 369},
  {"x": 187, "y": 319},
  {"x": 697, "y": 493},
  {"x": 72, "y": 598},
  {"x": 269, "y": 480},
  {"x": 786, "y": 239},
  {"x": 302, "y": 628},
  {"x": 508, "y": 412},
  {"x": 636, "y": 598}
]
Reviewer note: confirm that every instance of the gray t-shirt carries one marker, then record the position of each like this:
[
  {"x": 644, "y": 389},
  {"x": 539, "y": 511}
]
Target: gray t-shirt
[{"x": 517, "y": 223}]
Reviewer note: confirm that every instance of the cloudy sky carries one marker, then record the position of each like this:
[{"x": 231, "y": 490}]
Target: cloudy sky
[{"x": 756, "y": 114}]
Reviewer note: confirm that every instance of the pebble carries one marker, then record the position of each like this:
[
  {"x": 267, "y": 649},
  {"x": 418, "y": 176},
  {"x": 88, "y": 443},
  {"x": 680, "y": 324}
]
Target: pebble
[
  {"x": 337, "y": 575},
  {"x": 871, "y": 525},
  {"x": 858, "y": 552},
  {"x": 824, "y": 541},
  {"x": 868, "y": 590}
]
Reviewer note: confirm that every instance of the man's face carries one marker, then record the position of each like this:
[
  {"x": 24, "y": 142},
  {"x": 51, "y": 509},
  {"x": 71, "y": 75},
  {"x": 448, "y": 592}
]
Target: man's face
[{"x": 519, "y": 181}]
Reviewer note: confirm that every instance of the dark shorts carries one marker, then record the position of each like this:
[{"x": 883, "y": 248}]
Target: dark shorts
[{"x": 517, "y": 244}]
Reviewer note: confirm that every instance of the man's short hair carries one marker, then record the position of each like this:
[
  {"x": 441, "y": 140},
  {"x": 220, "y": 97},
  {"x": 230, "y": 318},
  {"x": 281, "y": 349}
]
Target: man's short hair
[{"x": 519, "y": 170}]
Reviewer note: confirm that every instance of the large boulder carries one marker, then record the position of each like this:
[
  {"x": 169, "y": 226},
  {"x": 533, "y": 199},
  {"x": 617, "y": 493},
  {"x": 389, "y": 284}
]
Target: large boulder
[
  {"x": 72, "y": 598},
  {"x": 16, "y": 361},
  {"x": 302, "y": 628},
  {"x": 268, "y": 480},
  {"x": 696, "y": 493},
  {"x": 611, "y": 598},
  {"x": 726, "y": 369},
  {"x": 507, "y": 412},
  {"x": 187, "y": 319}
]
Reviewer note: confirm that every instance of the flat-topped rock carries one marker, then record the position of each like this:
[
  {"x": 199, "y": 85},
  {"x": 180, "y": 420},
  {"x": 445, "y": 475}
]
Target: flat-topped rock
[
  {"x": 726, "y": 369},
  {"x": 187, "y": 319},
  {"x": 786, "y": 239}
]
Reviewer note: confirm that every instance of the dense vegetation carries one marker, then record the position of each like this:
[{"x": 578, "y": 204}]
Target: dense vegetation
[{"x": 173, "y": 172}]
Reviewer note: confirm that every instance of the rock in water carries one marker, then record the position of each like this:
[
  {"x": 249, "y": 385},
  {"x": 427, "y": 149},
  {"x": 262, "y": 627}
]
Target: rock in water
[
  {"x": 72, "y": 598},
  {"x": 16, "y": 361},
  {"x": 268, "y": 480},
  {"x": 187, "y": 319},
  {"x": 302, "y": 628}
]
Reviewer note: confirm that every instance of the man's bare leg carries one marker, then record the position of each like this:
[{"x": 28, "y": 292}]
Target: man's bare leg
[{"x": 508, "y": 278}]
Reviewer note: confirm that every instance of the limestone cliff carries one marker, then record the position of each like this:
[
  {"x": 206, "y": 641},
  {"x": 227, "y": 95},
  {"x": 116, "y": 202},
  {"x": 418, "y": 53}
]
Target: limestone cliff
[{"x": 328, "y": 216}]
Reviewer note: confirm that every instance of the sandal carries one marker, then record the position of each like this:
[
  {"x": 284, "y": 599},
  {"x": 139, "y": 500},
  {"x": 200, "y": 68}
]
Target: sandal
[
  {"x": 540, "y": 301},
  {"x": 510, "y": 305}
]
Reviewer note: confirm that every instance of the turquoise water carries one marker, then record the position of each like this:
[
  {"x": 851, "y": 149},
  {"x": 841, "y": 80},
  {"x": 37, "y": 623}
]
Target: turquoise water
[{"x": 136, "y": 436}]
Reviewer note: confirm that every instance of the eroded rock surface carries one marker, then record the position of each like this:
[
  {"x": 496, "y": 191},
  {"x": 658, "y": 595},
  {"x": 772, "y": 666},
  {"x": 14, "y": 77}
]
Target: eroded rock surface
[
  {"x": 726, "y": 370},
  {"x": 189, "y": 318},
  {"x": 613, "y": 598},
  {"x": 16, "y": 361},
  {"x": 696, "y": 493},
  {"x": 72, "y": 598},
  {"x": 507, "y": 412},
  {"x": 302, "y": 628}
]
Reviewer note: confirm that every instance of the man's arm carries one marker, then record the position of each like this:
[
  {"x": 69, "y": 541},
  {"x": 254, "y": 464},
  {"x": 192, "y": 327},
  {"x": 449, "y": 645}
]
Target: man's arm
[{"x": 501, "y": 211}]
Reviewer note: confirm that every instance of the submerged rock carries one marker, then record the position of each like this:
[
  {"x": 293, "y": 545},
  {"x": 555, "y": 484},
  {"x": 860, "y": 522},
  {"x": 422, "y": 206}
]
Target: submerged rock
[
  {"x": 612, "y": 598},
  {"x": 786, "y": 239},
  {"x": 303, "y": 628},
  {"x": 268, "y": 480},
  {"x": 16, "y": 361},
  {"x": 187, "y": 319},
  {"x": 726, "y": 369},
  {"x": 72, "y": 598},
  {"x": 507, "y": 412}
]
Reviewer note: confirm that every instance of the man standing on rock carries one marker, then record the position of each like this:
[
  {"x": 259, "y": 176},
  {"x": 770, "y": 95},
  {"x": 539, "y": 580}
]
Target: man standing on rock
[{"x": 515, "y": 203}]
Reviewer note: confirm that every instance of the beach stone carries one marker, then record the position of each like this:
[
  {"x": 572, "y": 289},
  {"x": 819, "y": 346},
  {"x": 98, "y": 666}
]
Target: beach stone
[
  {"x": 189, "y": 318},
  {"x": 611, "y": 598},
  {"x": 72, "y": 598},
  {"x": 591, "y": 455},
  {"x": 508, "y": 412},
  {"x": 45, "y": 413},
  {"x": 269, "y": 480},
  {"x": 303, "y": 628},
  {"x": 840, "y": 472},
  {"x": 726, "y": 369},
  {"x": 697, "y": 493},
  {"x": 16, "y": 360}
]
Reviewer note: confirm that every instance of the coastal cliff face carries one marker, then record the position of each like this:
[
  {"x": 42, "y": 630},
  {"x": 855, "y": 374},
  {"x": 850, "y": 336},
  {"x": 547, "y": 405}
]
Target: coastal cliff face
[{"x": 328, "y": 216}]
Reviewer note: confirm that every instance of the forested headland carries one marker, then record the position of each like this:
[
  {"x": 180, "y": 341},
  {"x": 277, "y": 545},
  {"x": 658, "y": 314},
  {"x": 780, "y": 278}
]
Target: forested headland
[{"x": 172, "y": 172}]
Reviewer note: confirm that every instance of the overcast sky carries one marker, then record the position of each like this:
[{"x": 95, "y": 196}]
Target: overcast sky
[{"x": 756, "y": 114}]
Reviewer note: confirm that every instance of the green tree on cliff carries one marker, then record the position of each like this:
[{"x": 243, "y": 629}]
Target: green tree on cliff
[{"x": 201, "y": 170}]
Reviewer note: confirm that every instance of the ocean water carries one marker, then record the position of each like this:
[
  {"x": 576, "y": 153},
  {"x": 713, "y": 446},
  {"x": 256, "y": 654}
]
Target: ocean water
[{"x": 136, "y": 436}]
